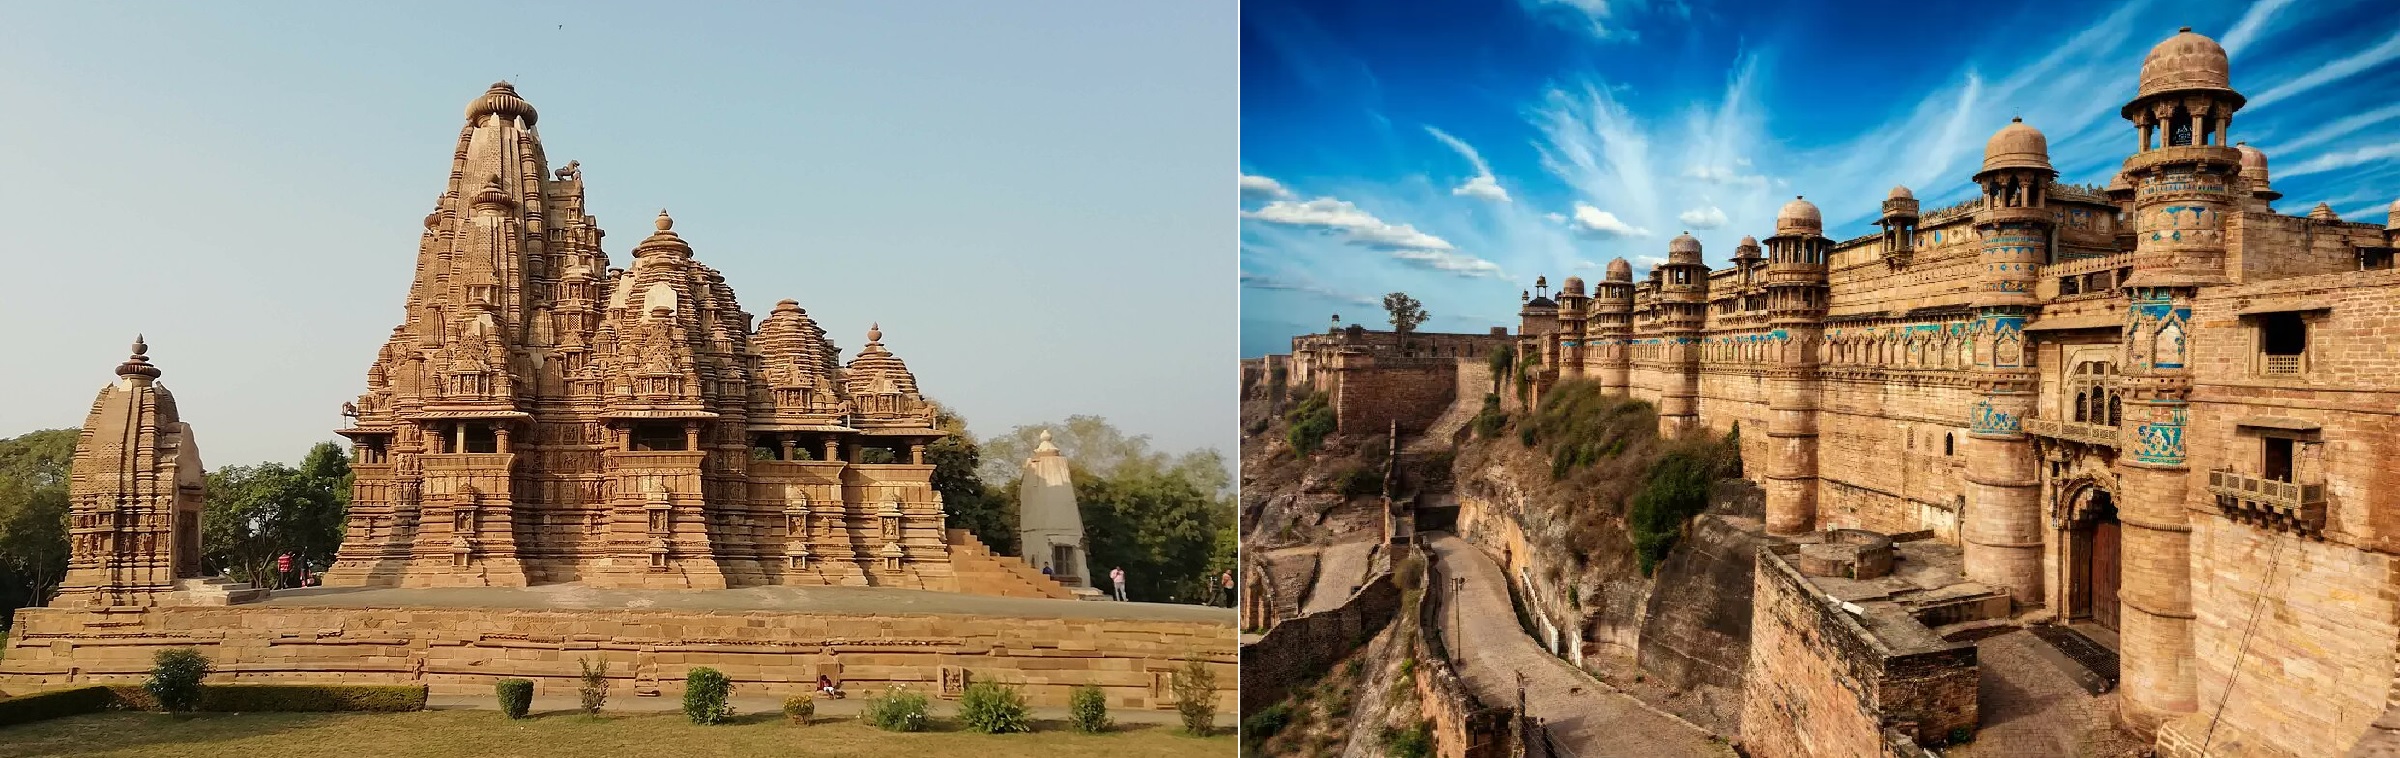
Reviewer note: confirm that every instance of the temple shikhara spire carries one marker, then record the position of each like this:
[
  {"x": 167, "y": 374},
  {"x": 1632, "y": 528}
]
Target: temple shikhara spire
[{"x": 540, "y": 415}]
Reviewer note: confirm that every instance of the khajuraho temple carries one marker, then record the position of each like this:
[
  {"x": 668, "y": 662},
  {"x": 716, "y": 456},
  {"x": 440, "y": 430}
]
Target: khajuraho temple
[
  {"x": 540, "y": 416},
  {"x": 2158, "y": 411},
  {"x": 706, "y": 493}
]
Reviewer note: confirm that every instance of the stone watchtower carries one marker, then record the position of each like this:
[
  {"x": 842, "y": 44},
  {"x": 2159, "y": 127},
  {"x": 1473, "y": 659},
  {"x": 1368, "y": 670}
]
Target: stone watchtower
[
  {"x": 1573, "y": 308},
  {"x": 1609, "y": 329},
  {"x": 134, "y": 489},
  {"x": 1796, "y": 302},
  {"x": 1682, "y": 316},
  {"x": 2002, "y": 528},
  {"x": 1899, "y": 222},
  {"x": 2184, "y": 178}
]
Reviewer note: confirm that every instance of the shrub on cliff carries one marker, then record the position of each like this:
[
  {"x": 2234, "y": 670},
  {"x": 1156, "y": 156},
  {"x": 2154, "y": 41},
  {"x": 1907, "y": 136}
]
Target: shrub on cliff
[
  {"x": 1308, "y": 423},
  {"x": 1675, "y": 490},
  {"x": 1491, "y": 420},
  {"x": 175, "y": 678},
  {"x": 1413, "y": 742}
]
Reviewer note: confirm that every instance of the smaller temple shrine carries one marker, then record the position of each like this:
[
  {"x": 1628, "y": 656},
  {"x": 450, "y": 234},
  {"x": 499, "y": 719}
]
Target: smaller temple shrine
[
  {"x": 1049, "y": 528},
  {"x": 134, "y": 495}
]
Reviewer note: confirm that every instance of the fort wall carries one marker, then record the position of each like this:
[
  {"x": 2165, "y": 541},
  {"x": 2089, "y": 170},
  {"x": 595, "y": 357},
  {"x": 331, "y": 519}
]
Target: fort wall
[
  {"x": 1303, "y": 647},
  {"x": 1822, "y": 684}
]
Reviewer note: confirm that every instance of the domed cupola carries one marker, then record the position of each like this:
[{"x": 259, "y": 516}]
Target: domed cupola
[
  {"x": 501, "y": 100},
  {"x": 2187, "y": 62},
  {"x": 1620, "y": 271},
  {"x": 1684, "y": 250},
  {"x": 2017, "y": 146},
  {"x": 1799, "y": 217}
]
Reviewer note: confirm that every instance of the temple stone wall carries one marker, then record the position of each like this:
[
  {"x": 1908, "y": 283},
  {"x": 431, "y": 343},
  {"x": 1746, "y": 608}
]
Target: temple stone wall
[
  {"x": 1821, "y": 685},
  {"x": 462, "y": 651}
]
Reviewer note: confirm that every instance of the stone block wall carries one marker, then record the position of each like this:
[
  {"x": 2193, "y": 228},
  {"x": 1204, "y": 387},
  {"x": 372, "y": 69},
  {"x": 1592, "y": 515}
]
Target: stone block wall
[
  {"x": 1371, "y": 394},
  {"x": 1699, "y": 635},
  {"x": 1463, "y": 725},
  {"x": 1303, "y": 647},
  {"x": 462, "y": 651},
  {"x": 1822, "y": 685}
]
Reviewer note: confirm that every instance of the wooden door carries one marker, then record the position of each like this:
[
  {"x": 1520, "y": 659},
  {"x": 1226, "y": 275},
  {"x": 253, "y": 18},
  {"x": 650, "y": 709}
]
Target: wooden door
[{"x": 2104, "y": 573}]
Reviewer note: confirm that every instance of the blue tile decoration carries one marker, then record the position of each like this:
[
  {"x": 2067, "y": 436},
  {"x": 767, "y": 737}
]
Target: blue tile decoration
[{"x": 2162, "y": 441}]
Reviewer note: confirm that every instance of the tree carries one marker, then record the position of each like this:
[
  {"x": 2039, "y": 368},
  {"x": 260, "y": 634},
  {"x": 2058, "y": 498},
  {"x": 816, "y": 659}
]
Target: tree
[
  {"x": 1405, "y": 311},
  {"x": 1099, "y": 448},
  {"x": 957, "y": 474},
  {"x": 33, "y": 516},
  {"x": 253, "y": 514},
  {"x": 1159, "y": 526}
]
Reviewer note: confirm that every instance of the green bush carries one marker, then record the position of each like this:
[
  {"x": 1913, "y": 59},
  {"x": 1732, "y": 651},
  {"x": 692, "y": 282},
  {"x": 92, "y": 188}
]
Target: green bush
[
  {"x": 54, "y": 704},
  {"x": 898, "y": 710},
  {"x": 1087, "y": 709},
  {"x": 1264, "y": 725},
  {"x": 707, "y": 695},
  {"x": 594, "y": 690},
  {"x": 1675, "y": 491},
  {"x": 1359, "y": 482},
  {"x": 312, "y": 698},
  {"x": 1195, "y": 688},
  {"x": 800, "y": 708},
  {"x": 175, "y": 678},
  {"x": 1502, "y": 359},
  {"x": 516, "y": 696},
  {"x": 994, "y": 708},
  {"x": 1491, "y": 420},
  {"x": 1414, "y": 742},
  {"x": 1309, "y": 423}
]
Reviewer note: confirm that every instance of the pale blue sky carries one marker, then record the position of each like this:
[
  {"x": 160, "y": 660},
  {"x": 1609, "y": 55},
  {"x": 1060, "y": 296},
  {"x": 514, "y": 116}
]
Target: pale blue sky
[{"x": 1028, "y": 196}]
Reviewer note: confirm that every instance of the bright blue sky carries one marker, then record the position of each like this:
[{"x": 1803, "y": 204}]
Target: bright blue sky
[
  {"x": 1027, "y": 195},
  {"x": 1455, "y": 149}
]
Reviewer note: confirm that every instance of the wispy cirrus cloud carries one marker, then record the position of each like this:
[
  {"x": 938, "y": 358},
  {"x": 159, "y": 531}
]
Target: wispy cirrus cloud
[
  {"x": 2332, "y": 71},
  {"x": 1264, "y": 282},
  {"x": 1353, "y": 225},
  {"x": 1483, "y": 185},
  {"x": 2253, "y": 23}
]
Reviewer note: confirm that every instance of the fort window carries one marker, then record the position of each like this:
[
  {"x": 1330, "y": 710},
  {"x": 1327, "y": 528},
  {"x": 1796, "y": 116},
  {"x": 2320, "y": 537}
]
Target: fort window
[
  {"x": 478, "y": 438},
  {"x": 2068, "y": 285},
  {"x": 2375, "y": 258},
  {"x": 2275, "y": 458},
  {"x": 656, "y": 437},
  {"x": 1949, "y": 443},
  {"x": 2283, "y": 343}
]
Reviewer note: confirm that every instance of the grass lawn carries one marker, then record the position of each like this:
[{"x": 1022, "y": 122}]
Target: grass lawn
[{"x": 565, "y": 735}]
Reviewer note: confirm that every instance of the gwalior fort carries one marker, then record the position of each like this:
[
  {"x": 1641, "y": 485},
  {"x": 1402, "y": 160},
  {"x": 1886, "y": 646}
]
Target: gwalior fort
[
  {"x": 558, "y": 459},
  {"x": 2058, "y": 470}
]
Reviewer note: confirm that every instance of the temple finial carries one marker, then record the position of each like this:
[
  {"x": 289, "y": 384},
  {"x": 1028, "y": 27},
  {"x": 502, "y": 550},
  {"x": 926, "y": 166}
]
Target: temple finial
[
  {"x": 875, "y": 332},
  {"x": 665, "y": 222}
]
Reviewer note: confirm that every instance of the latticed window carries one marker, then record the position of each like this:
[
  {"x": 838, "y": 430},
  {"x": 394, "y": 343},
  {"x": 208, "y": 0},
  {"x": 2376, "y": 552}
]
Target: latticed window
[
  {"x": 2092, "y": 394},
  {"x": 2282, "y": 342}
]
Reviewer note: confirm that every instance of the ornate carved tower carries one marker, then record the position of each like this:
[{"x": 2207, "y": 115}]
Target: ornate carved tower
[
  {"x": 1899, "y": 222},
  {"x": 1796, "y": 300},
  {"x": 2002, "y": 527},
  {"x": 2184, "y": 179},
  {"x": 1609, "y": 330},
  {"x": 133, "y": 497},
  {"x": 1682, "y": 313},
  {"x": 1574, "y": 308}
]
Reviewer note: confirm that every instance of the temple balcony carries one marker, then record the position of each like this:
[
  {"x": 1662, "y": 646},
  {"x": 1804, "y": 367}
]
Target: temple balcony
[
  {"x": 2090, "y": 434},
  {"x": 2269, "y": 503}
]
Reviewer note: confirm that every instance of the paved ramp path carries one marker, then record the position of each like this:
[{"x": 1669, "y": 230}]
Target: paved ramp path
[
  {"x": 1586, "y": 718},
  {"x": 1340, "y": 569}
]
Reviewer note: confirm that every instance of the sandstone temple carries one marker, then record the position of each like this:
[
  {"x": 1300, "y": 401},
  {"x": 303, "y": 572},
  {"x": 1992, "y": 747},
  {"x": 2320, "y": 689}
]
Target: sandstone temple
[
  {"x": 2160, "y": 410},
  {"x": 541, "y": 416}
]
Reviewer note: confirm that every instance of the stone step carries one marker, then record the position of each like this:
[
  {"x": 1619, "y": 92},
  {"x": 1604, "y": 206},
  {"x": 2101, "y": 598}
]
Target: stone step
[
  {"x": 1956, "y": 604},
  {"x": 217, "y": 590},
  {"x": 1970, "y": 631},
  {"x": 2092, "y": 665}
]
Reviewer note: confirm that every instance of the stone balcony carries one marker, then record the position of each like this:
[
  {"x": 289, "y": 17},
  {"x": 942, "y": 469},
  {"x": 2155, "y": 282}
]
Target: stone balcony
[
  {"x": 2269, "y": 503},
  {"x": 2089, "y": 434}
]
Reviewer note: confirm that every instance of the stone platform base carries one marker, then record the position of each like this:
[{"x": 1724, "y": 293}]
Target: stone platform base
[{"x": 769, "y": 641}]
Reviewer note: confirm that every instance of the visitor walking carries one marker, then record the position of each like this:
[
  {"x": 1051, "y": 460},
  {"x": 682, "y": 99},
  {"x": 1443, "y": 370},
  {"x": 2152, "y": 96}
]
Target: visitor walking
[
  {"x": 1226, "y": 580},
  {"x": 1118, "y": 575}
]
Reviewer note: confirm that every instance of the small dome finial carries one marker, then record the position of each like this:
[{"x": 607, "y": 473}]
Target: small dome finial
[
  {"x": 875, "y": 332},
  {"x": 140, "y": 346},
  {"x": 138, "y": 364},
  {"x": 665, "y": 222},
  {"x": 2184, "y": 30}
]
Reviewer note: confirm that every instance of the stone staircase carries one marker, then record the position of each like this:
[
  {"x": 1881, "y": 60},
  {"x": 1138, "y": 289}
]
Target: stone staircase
[
  {"x": 1439, "y": 435},
  {"x": 216, "y": 590},
  {"x": 982, "y": 572}
]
